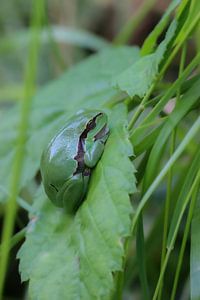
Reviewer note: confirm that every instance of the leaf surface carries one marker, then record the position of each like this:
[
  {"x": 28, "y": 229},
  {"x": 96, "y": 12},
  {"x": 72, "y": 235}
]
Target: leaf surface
[
  {"x": 86, "y": 85},
  {"x": 61, "y": 34},
  {"x": 137, "y": 79},
  {"x": 75, "y": 258}
]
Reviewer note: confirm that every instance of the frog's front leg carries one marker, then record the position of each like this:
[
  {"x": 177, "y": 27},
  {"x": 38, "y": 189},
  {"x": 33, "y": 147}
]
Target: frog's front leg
[
  {"x": 74, "y": 191},
  {"x": 93, "y": 153}
]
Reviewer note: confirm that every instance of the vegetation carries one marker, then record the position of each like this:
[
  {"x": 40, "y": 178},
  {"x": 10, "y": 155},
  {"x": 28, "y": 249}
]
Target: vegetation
[{"x": 137, "y": 233}]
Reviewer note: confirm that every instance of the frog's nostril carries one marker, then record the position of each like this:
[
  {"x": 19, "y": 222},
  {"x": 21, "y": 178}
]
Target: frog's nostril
[{"x": 54, "y": 187}]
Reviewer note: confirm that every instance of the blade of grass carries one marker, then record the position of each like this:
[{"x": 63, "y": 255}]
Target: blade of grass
[
  {"x": 195, "y": 253},
  {"x": 167, "y": 208},
  {"x": 185, "y": 35},
  {"x": 151, "y": 40},
  {"x": 22, "y": 203},
  {"x": 30, "y": 76},
  {"x": 172, "y": 241},
  {"x": 181, "y": 110},
  {"x": 169, "y": 178},
  {"x": 163, "y": 101},
  {"x": 185, "y": 237},
  {"x": 191, "y": 133},
  {"x": 146, "y": 135},
  {"x": 166, "y": 64}
]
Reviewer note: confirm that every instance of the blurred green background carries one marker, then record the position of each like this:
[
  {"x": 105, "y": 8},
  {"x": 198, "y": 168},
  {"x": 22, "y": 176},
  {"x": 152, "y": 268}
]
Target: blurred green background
[{"x": 72, "y": 30}]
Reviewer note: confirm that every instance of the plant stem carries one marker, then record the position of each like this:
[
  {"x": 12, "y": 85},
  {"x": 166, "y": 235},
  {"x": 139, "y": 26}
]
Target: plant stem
[
  {"x": 141, "y": 258},
  {"x": 141, "y": 107},
  {"x": 16, "y": 238},
  {"x": 29, "y": 85}
]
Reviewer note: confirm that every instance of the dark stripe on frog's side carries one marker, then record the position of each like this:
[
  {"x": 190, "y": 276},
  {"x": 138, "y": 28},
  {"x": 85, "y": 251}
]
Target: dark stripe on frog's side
[{"x": 80, "y": 153}]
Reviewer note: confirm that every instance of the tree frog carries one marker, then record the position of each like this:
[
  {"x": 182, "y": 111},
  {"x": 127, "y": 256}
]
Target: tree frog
[{"x": 69, "y": 158}]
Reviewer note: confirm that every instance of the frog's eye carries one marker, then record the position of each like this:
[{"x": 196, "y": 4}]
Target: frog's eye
[
  {"x": 53, "y": 186},
  {"x": 91, "y": 125}
]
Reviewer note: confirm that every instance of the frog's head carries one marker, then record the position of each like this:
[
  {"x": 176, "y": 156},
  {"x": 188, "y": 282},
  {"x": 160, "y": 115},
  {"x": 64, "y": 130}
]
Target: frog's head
[{"x": 97, "y": 128}]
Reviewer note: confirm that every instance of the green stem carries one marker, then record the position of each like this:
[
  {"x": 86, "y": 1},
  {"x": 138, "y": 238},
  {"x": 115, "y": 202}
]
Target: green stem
[
  {"x": 30, "y": 77},
  {"x": 141, "y": 258},
  {"x": 15, "y": 239},
  {"x": 170, "y": 248},
  {"x": 185, "y": 237},
  {"x": 141, "y": 107},
  {"x": 117, "y": 295},
  {"x": 22, "y": 203}
]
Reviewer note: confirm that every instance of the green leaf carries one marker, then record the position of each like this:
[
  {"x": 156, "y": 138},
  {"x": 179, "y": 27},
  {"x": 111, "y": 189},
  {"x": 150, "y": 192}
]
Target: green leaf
[
  {"x": 192, "y": 14},
  {"x": 184, "y": 143},
  {"x": 86, "y": 85},
  {"x": 78, "y": 37},
  {"x": 138, "y": 78},
  {"x": 145, "y": 141},
  {"x": 151, "y": 40},
  {"x": 75, "y": 258},
  {"x": 186, "y": 186},
  {"x": 195, "y": 254}
]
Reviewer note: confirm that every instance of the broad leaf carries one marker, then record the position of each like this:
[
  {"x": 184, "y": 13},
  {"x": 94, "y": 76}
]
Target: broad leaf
[
  {"x": 137, "y": 79},
  {"x": 75, "y": 258},
  {"x": 21, "y": 39},
  {"x": 86, "y": 85}
]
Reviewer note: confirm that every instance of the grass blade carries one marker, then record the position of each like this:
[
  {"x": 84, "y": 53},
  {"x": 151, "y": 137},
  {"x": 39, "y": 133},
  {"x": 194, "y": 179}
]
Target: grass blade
[{"x": 11, "y": 207}]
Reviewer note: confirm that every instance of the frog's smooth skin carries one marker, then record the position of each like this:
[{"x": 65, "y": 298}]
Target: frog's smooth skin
[{"x": 67, "y": 161}]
